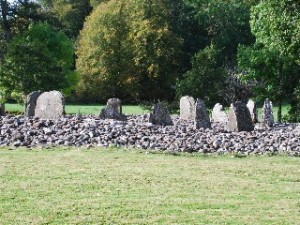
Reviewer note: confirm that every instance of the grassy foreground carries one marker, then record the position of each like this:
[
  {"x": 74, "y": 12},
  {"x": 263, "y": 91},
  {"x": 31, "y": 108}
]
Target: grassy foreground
[{"x": 78, "y": 186}]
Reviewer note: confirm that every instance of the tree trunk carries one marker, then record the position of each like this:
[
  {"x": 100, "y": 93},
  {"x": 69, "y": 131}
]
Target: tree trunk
[
  {"x": 279, "y": 114},
  {"x": 4, "y": 15}
]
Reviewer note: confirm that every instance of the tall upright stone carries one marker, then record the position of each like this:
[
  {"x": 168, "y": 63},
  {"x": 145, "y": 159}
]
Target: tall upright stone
[
  {"x": 2, "y": 109},
  {"x": 268, "y": 115},
  {"x": 115, "y": 103},
  {"x": 201, "y": 118},
  {"x": 218, "y": 114},
  {"x": 187, "y": 108},
  {"x": 239, "y": 118},
  {"x": 50, "y": 105},
  {"x": 160, "y": 115},
  {"x": 253, "y": 110},
  {"x": 30, "y": 104}
]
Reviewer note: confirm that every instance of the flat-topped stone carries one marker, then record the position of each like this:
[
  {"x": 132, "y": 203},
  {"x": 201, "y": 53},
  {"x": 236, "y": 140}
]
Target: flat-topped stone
[
  {"x": 50, "y": 105},
  {"x": 115, "y": 103}
]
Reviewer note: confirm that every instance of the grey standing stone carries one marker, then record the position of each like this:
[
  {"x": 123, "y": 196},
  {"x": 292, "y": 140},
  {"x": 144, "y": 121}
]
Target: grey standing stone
[
  {"x": 218, "y": 114},
  {"x": 112, "y": 113},
  {"x": 115, "y": 103},
  {"x": 31, "y": 103},
  {"x": 2, "y": 109},
  {"x": 160, "y": 115},
  {"x": 201, "y": 119},
  {"x": 50, "y": 105},
  {"x": 268, "y": 115},
  {"x": 253, "y": 110},
  {"x": 239, "y": 118},
  {"x": 187, "y": 108}
]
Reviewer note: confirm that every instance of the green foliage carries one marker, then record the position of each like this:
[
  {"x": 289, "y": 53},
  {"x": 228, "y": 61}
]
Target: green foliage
[
  {"x": 105, "y": 55},
  {"x": 38, "y": 59},
  {"x": 206, "y": 78},
  {"x": 157, "y": 49},
  {"x": 272, "y": 60},
  {"x": 226, "y": 24},
  {"x": 70, "y": 14},
  {"x": 126, "y": 49}
]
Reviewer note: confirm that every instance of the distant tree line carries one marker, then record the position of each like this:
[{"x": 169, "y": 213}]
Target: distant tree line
[{"x": 151, "y": 50}]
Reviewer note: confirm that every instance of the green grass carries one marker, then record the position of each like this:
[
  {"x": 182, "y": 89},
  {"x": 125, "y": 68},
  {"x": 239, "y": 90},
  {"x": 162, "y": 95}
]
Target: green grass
[
  {"x": 128, "y": 109},
  {"x": 99, "y": 186},
  {"x": 82, "y": 109}
]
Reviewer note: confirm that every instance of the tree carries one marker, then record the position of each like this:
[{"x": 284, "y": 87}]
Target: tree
[
  {"x": 128, "y": 50},
  {"x": 105, "y": 54},
  {"x": 273, "y": 60},
  {"x": 157, "y": 49},
  {"x": 206, "y": 78},
  {"x": 226, "y": 24},
  {"x": 70, "y": 14},
  {"x": 38, "y": 59}
]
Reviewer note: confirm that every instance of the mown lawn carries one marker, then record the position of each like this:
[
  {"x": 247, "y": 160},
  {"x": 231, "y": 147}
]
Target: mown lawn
[
  {"x": 108, "y": 186},
  {"x": 127, "y": 109},
  {"x": 82, "y": 109}
]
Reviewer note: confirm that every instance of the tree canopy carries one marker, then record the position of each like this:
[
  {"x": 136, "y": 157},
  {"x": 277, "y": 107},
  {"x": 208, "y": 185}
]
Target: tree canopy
[
  {"x": 38, "y": 59},
  {"x": 156, "y": 49}
]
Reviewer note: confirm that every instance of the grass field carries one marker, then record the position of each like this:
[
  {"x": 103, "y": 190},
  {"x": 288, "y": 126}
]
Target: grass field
[
  {"x": 82, "y": 109},
  {"x": 77, "y": 186},
  {"x": 128, "y": 110}
]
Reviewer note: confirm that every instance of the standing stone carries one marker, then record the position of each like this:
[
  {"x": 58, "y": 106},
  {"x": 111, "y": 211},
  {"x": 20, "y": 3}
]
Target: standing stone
[
  {"x": 239, "y": 118},
  {"x": 31, "y": 103},
  {"x": 115, "y": 103},
  {"x": 187, "y": 108},
  {"x": 160, "y": 115},
  {"x": 218, "y": 114},
  {"x": 268, "y": 116},
  {"x": 112, "y": 113},
  {"x": 201, "y": 118},
  {"x": 50, "y": 105},
  {"x": 253, "y": 110},
  {"x": 2, "y": 109}
]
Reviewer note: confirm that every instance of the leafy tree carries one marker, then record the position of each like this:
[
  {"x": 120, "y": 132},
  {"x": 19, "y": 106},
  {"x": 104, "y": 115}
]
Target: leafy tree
[
  {"x": 206, "y": 78},
  {"x": 273, "y": 60},
  {"x": 105, "y": 54},
  {"x": 38, "y": 59},
  {"x": 157, "y": 49},
  {"x": 127, "y": 49},
  {"x": 226, "y": 24},
  {"x": 70, "y": 14}
]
